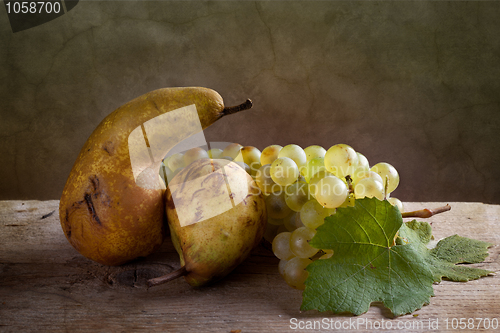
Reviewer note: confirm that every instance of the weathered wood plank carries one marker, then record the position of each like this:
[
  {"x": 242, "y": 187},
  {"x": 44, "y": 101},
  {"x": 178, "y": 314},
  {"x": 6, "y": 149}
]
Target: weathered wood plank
[{"x": 45, "y": 285}]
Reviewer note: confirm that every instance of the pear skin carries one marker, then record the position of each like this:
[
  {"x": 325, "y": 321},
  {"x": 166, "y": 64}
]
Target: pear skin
[
  {"x": 112, "y": 212},
  {"x": 217, "y": 215}
]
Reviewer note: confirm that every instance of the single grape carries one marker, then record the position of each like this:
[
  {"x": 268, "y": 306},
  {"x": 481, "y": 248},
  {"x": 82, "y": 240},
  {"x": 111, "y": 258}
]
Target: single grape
[
  {"x": 341, "y": 160},
  {"x": 328, "y": 254},
  {"x": 292, "y": 221},
  {"x": 295, "y": 272},
  {"x": 251, "y": 156},
  {"x": 312, "y": 167},
  {"x": 215, "y": 153},
  {"x": 233, "y": 150},
  {"x": 314, "y": 151},
  {"x": 296, "y": 195},
  {"x": 269, "y": 154},
  {"x": 296, "y": 153},
  {"x": 281, "y": 267},
  {"x": 315, "y": 179},
  {"x": 313, "y": 214},
  {"x": 331, "y": 192},
  {"x": 276, "y": 205},
  {"x": 194, "y": 154},
  {"x": 369, "y": 187},
  {"x": 175, "y": 161},
  {"x": 374, "y": 176},
  {"x": 284, "y": 171},
  {"x": 362, "y": 168},
  {"x": 281, "y": 246},
  {"x": 396, "y": 202},
  {"x": 299, "y": 242},
  {"x": 389, "y": 174},
  {"x": 264, "y": 180}
]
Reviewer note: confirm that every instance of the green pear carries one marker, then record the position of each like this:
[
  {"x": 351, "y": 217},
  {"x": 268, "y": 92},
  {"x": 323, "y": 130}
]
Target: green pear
[{"x": 216, "y": 215}]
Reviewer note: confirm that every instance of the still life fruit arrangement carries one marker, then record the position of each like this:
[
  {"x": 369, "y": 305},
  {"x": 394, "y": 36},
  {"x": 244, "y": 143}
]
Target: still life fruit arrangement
[{"x": 327, "y": 214}]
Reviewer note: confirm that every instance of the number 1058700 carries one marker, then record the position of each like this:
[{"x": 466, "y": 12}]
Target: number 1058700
[
  {"x": 33, "y": 7},
  {"x": 471, "y": 323}
]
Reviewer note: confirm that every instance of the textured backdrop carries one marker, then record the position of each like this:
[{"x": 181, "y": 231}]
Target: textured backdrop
[{"x": 415, "y": 84}]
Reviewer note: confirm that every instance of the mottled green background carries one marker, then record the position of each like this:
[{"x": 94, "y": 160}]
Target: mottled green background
[{"x": 415, "y": 84}]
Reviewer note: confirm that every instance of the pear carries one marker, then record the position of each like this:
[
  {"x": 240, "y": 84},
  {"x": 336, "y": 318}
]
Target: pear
[
  {"x": 216, "y": 215},
  {"x": 112, "y": 206}
]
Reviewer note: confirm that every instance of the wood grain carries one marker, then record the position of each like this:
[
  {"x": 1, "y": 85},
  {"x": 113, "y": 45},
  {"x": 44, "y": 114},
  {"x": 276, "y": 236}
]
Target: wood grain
[{"x": 45, "y": 285}]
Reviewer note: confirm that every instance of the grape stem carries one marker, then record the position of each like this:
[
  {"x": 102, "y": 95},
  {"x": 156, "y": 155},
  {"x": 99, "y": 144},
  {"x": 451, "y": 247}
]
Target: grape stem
[
  {"x": 168, "y": 277},
  {"x": 425, "y": 213}
]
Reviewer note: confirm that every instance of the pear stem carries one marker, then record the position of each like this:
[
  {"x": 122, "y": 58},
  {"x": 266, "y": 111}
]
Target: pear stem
[
  {"x": 237, "y": 108},
  {"x": 168, "y": 277}
]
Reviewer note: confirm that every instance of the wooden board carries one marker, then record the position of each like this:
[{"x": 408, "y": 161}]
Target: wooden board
[{"x": 45, "y": 285}]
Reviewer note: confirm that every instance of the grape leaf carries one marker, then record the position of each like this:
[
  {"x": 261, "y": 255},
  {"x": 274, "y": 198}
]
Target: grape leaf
[
  {"x": 448, "y": 252},
  {"x": 377, "y": 257}
]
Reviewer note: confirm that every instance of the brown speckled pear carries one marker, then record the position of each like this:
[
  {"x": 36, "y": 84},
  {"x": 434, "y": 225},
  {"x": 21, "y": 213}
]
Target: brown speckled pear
[
  {"x": 217, "y": 215},
  {"x": 108, "y": 213}
]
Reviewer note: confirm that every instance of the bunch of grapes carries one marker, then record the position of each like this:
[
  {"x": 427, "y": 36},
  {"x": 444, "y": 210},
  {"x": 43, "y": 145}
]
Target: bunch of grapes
[{"x": 301, "y": 187}]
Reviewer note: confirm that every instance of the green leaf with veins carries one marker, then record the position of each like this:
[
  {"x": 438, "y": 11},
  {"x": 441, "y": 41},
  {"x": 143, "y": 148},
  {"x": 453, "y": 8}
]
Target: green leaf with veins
[
  {"x": 448, "y": 252},
  {"x": 371, "y": 264}
]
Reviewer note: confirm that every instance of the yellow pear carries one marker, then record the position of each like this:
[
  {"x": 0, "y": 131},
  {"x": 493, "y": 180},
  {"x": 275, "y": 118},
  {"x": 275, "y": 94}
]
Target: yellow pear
[
  {"x": 112, "y": 206},
  {"x": 217, "y": 215}
]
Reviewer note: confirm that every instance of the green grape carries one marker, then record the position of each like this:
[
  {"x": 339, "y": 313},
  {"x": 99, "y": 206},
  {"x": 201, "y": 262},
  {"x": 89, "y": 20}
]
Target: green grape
[
  {"x": 295, "y": 272},
  {"x": 328, "y": 254},
  {"x": 281, "y": 267},
  {"x": 313, "y": 214},
  {"x": 292, "y": 221},
  {"x": 250, "y": 155},
  {"x": 215, "y": 153},
  {"x": 275, "y": 221},
  {"x": 281, "y": 246},
  {"x": 175, "y": 161},
  {"x": 314, "y": 151},
  {"x": 341, "y": 160},
  {"x": 194, "y": 154},
  {"x": 315, "y": 179},
  {"x": 296, "y": 153},
  {"x": 264, "y": 180},
  {"x": 331, "y": 192},
  {"x": 369, "y": 187},
  {"x": 296, "y": 195},
  {"x": 389, "y": 174},
  {"x": 396, "y": 202},
  {"x": 270, "y": 232},
  {"x": 269, "y": 154},
  {"x": 284, "y": 171},
  {"x": 312, "y": 167},
  {"x": 276, "y": 205},
  {"x": 233, "y": 150},
  {"x": 362, "y": 168},
  {"x": 299, "y": 242},
  {"x": 375, "y": 176}
]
